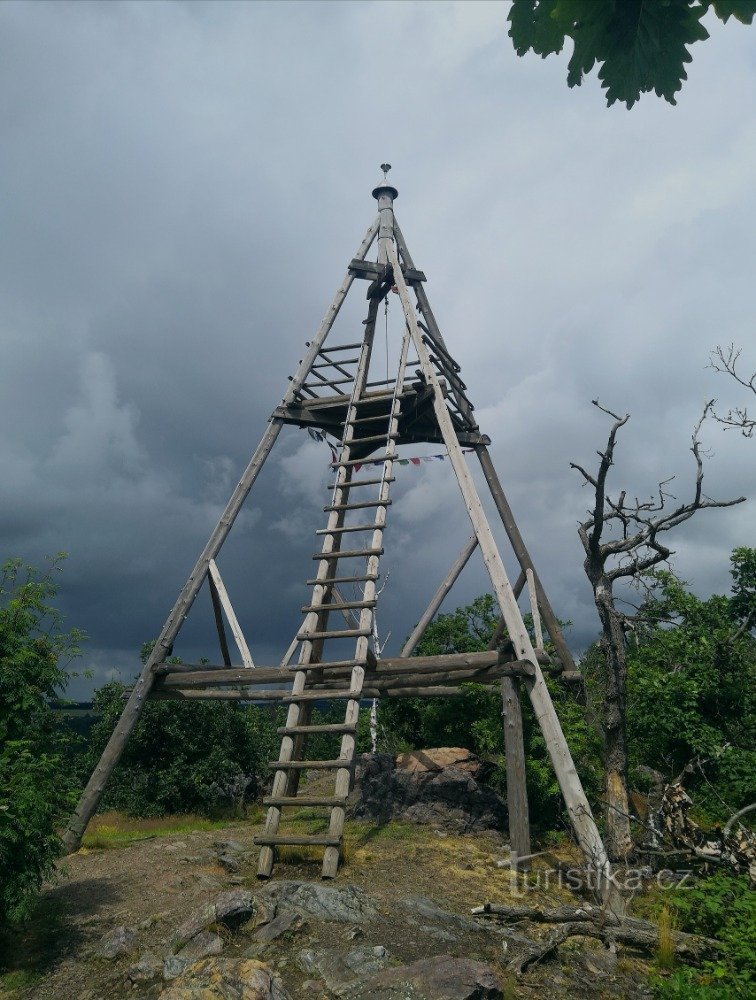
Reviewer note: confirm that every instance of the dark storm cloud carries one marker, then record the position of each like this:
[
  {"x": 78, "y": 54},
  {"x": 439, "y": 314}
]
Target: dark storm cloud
[{"x": 182, "y": 185}]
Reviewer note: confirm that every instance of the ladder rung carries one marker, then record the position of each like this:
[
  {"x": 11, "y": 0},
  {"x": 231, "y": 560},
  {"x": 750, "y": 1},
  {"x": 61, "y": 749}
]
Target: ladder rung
[
  {"x": 331, "y": 727},
  {"x": 363, "y": 461},
  {"x": 330, "y": 364},
  {"x": 329, "y": 663},
  {"x": 338, "y": 347},
  {"x": 350, "y": 484},
  {"x": 337, "y": 606},
  {"x": 344, "y": 579},
  {"x": 328, "y": 382},
  {"x": 347, "y": 554},
  {"x": 310, "y": 765},
  {"x": 360, "y": 505},
  {"x": 283, "y": 840},
  {"x": 305, "y": 800},
  {"x": 372, "y": 438},
  {"x": 371, "y": 420},
  {"x": 377, "y": 397},
  {"x": 350, "y": 527},
  {"x": 344, "y": 633},
  {"x": 344, "y": 695}
]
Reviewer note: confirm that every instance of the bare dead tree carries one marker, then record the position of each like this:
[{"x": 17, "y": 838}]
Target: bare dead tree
[
  {"x": 725, "y": 360},
  {"x": 622, "y": 539}
]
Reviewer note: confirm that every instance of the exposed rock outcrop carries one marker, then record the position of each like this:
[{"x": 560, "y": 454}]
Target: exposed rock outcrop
[
  {"x": 441, "y": 787},
  {"x": 442, "y": 977},
  {"x": 226, "y": 979}
]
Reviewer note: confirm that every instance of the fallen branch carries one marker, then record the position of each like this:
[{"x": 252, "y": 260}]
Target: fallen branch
[{"x": 593, "y": 922}]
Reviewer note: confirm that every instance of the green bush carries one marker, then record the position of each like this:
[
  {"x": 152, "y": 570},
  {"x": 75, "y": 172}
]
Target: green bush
[
  {"x": 724, "y": 908},
  {"x": 200, "y": 757},
  {"x": 692, "y": 688},
  {"x": 36, "y": 781}
]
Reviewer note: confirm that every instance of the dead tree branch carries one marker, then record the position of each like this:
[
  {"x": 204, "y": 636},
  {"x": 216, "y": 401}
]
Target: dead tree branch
[
  {"x": 588, "y": 921},
  {"x": 623, "y": 540},
  {"x": 725, "y": 360}
]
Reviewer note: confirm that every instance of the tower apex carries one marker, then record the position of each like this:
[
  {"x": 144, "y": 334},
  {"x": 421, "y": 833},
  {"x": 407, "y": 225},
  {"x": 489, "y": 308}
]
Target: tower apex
[{"x": 384, "y": 187}]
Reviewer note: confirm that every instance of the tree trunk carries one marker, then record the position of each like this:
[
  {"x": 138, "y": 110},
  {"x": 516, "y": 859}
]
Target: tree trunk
[{"x": 617, "y": 839}]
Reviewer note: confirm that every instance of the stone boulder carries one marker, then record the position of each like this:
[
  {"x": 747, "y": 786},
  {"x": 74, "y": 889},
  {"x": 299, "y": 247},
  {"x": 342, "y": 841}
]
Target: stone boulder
[
  {"x": 346, "y": 903},
  {"x": 442, "y": 787},
  {"x": 226, "y": 979},
  {"x": 119, "y": 941},
  {"x": 231, "y": 908},
  {"x": 442, "y": 977}
]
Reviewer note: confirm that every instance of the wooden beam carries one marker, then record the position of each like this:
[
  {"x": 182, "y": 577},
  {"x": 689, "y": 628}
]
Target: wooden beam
[
  {"x": 438, "y": 598},
  {"x": 233, "y": 621},
  {"x": 249, "y": 695},
  {"x": 574, "y": 796},
  {"x": 514, "y": 759},
  {"x": 91, "y": 795},
  {"x": 219, "y": 623},
  {"x": 209, "y": 674},
  {"x": 533, "y": 596},
  {"x": 523, "y": 556},
  {"x": 371, "y": 271}
]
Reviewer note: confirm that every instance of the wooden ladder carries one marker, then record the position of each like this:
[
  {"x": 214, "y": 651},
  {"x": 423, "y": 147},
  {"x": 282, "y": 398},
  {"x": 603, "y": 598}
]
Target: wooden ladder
[{"x": 315, "y": 631}]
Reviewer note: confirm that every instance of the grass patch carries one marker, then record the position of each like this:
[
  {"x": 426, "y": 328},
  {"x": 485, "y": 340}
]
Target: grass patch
[
  {"x": 665, "y": 948},
  {"x": 20, "y": 979},
  {"x": 112, "y": 830}
]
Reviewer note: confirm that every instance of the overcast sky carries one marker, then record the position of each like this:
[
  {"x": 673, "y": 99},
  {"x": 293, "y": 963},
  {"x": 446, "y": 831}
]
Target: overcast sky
[{"x": 182, "y": 187}]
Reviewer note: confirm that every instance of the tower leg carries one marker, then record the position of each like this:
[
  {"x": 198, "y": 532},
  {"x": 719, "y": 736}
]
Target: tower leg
[
  {"x": 523, "y": 556},
  {"x": 572, "y": 790},
  {"x": 111, "y": 754},
  {"x": 517, "y": 794}
]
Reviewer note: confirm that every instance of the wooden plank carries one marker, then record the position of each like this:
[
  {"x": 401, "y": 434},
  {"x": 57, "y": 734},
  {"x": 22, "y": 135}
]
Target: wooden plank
[
  {"x": 345, "y": 529},
  {"x": 334, "y": 633},
  {"x": 233, "y": 621},
  {"x": 340, "y": 605},
  {"x": 182, "y": 675},
  {"x": 311, "y": 765},
  {"x": 284, "y": 801},
  {"x": 533, "y": 596},
  {"x": 336, "y": 694},
  {"x": 252, "y": 695},
  {"x": 293, "y": 841},
  {"x": 575, "y": 799},
  {"x": 438, "y": 598},
  {"x": 348, "y": 554},
  {"x": 370, "y": 271},
  {"x": 331, "y": 727}
]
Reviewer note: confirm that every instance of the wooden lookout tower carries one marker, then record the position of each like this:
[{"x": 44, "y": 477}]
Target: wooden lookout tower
[{"x": 423, "y": 399}]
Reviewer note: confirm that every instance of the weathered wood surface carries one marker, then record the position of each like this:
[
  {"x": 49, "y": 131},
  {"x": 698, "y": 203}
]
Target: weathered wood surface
[
  {"x": 592, "y": 921},
  {"x": 241, "y": 689},
  {"x": 574, "y": 796},
  {"x": 233, "y": 621},
  {"x": 164, "y": 644},
  {"x": 523, "y": 556},
  {"x": 533, "y": 597},
  {"x": 181, "y": 675},
  {"x": 438, "y": 598},
  {"x": 514, "y": 757},
  {"x": 220, "y": 625}
]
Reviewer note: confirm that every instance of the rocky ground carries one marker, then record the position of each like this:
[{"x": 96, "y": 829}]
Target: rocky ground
[{"x": 184, "y": 918}]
